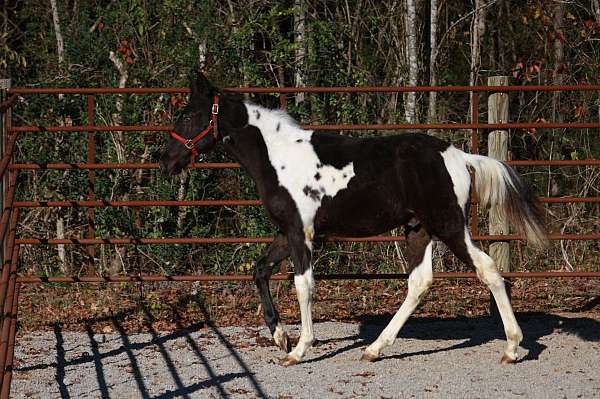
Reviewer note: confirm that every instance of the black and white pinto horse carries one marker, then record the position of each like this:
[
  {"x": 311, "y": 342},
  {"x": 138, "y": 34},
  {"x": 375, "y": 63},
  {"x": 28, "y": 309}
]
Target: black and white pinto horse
[{"x": 315, "y": 185}]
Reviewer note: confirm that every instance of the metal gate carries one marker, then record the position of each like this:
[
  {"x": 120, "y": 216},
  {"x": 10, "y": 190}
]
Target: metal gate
[{"x": 11, "y": 281}]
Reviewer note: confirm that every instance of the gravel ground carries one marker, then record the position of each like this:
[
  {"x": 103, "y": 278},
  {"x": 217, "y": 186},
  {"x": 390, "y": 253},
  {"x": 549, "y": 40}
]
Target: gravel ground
[{"x": 433, "y": 358}]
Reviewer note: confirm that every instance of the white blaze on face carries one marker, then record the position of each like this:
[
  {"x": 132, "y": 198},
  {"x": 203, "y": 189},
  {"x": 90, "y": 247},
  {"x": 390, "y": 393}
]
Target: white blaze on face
[{"x": 296, "y": 163}]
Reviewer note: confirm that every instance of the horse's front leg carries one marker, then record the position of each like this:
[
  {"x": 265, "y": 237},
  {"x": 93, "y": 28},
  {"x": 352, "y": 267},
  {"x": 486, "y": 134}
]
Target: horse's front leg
[
  {"x": 301, "y": 248},
  {"x": 275, "y": 253}
]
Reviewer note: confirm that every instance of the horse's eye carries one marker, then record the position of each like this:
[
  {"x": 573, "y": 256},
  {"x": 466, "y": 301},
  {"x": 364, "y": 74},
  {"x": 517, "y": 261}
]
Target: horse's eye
[{"x": 186, "y": 118}]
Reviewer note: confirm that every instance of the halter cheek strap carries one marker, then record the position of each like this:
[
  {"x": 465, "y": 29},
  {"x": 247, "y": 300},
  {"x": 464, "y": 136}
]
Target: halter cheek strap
[{"x": 190, "y": 144}]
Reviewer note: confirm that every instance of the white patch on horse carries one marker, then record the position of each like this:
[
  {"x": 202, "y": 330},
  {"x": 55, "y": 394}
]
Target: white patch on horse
[
  {"x": 296, "y": 163},
  {"x": 461, "y": 179}
]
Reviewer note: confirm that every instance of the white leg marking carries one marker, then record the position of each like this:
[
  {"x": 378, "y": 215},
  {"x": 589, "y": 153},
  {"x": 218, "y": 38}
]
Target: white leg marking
[
  {"x": 305, "y": 284},
  {"x": 419, "y": 281},
  {"x": 487, "y": 272}
]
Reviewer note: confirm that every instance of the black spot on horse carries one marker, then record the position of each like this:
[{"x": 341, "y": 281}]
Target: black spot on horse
[
  {"x": 317, "y": 176},
  {"x": 319, "y": 165},
  {"x": 257, "y": 114},
  {"x": 344, "y": 175},
  {"x": 282, "y": 167},
  {"x": 314, "y": 195},
  {"x": 299, "y": 141},
  {"x": 278, "y": 126}
]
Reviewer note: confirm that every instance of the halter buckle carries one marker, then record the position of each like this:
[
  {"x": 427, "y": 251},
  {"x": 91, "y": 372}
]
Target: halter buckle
[
  {"x": 215, "y": 109},
  {"x": 189, "y": 144}
]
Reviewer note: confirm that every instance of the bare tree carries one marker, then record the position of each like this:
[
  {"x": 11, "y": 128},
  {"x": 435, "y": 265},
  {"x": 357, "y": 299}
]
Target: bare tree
[
  {"x": 410, "y": 99},
  {"x": 60, "y": 46},
  {"x": 559, "y": 55},
  {"x": 117, "y": 137},
  {"x": 477, "y": 32},
  {"x": 300, "y": 52},
  {"x": 596, "y": 10},
  {"x": 432, "y": 109},
  {"x": 60, "y": 51}
]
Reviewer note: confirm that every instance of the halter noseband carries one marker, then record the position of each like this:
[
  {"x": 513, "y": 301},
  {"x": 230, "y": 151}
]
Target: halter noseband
[{"x": 190, "y": 144}]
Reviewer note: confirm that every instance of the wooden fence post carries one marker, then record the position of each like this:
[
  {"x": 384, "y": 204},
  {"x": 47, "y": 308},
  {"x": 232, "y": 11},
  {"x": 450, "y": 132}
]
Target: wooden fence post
[{"x": 498, "y": 149}]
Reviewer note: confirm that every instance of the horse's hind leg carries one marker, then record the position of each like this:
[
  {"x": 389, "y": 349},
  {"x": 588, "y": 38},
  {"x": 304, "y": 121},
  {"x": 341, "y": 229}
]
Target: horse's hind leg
[
  {"x": 420, "y": 279},
  {"x": 465, "y": 250},
  {"x": 275, "y": 253}
]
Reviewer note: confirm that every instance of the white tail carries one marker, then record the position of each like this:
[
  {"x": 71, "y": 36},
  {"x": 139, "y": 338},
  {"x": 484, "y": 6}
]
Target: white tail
[{"x": 500, "y": 185}]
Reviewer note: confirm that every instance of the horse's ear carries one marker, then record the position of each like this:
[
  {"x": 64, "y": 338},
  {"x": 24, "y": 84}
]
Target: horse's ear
[{"x": 201, "y": 85}]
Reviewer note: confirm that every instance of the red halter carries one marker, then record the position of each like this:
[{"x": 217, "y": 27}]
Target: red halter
[{"x": 190, "y": 144}]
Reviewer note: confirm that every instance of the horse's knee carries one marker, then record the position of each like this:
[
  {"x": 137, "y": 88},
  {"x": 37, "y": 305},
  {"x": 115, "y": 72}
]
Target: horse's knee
[
  {"x": 418, "y": 286},
  {"x": 487, "y": 271},
  {"x": 261, "y": 272},
  {"x": 490, "y": 276},
  {"x": 305, "y": 285}
]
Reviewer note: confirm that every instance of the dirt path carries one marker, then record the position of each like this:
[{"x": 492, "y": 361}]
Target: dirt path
[{"x": 433, "y": 358}]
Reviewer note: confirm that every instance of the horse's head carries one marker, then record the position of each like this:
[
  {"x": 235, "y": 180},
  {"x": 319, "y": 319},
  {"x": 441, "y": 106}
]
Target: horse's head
[{"x": 193, "y": 133}]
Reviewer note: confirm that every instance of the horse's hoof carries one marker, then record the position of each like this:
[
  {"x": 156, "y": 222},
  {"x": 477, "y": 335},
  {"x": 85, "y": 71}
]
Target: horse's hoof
[
  {"x": 288, "y": 361},
  {"x": 283, "y": 342},
  {"x": 367, "y": 357},
  {"x": 507, "y": 360}
]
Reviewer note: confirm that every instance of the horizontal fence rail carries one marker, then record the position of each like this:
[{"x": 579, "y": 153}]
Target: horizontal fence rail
[
  {"x": 287, "y": 276},
  {"x": 233, "y": 165},
  {"x": 291, "y": 90},
  {"x": 263, "y": 240},
  {"x": 231, "y": 202},
  {"x": 400, "y": 126}
]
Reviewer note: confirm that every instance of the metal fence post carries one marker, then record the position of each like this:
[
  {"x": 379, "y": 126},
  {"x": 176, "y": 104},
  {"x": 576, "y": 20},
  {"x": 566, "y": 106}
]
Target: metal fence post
[
  {"x": 4, "y": 124},
  {"x": 91, "y": 158}
]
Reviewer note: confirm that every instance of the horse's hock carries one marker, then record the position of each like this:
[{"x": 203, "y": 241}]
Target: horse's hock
[{"x": 11, "y": 280}]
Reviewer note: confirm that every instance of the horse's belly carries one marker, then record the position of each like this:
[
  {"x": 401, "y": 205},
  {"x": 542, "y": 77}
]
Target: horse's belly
[{"x": 359, "y": 218}]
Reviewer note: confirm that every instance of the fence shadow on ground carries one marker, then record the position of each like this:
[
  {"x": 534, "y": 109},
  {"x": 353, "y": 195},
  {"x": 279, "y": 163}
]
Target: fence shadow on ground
[
  {"x": 99, "y": 358},
  {"x": 472, "y": 332}
]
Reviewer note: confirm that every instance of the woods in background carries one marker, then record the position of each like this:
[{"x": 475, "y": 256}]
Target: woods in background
[{"x": 140, "y": 43}]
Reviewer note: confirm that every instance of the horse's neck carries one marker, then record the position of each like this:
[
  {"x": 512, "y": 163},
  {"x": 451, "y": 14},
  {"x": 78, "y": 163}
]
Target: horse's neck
[{"x": 247, "y": 147}]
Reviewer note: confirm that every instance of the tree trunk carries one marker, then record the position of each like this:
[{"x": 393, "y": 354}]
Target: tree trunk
[
  {"x": 117, "y": 137},
  {"x": 62, "y": 253},
  {"x": 410, "y": 99},
  {"x": 596, "y": 10},
  {"x": 181, "y": 194},
  {"x": 394, "y": 58},
  {"x": 60, "y": 51},
  {"x": 60, "y": 46},
  {"x": 201, "y": 46},
  {"x": 477, "y": 32},
  {"x": 559, "y": 58},
  {"x": 432, "y": 109},
  {"x": 300, "y": 52}
]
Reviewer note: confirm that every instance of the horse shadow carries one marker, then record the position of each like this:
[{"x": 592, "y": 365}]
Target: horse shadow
[{"x": 471, "y": 332}]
